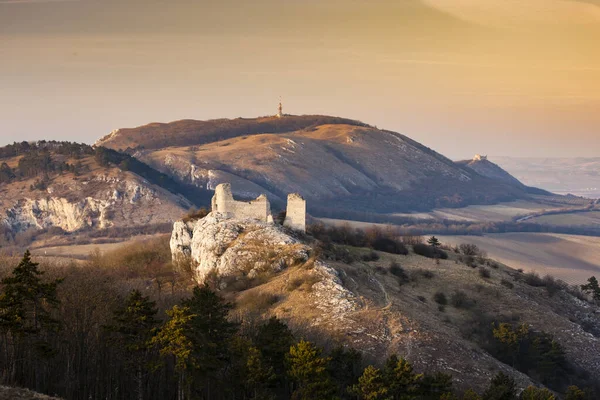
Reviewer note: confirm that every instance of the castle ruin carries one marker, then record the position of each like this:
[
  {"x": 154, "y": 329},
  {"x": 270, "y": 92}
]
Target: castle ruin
[{"x": 259, "y": 209}]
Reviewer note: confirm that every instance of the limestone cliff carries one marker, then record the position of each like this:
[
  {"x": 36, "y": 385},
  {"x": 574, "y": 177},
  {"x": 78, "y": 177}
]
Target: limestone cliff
[
  {"x": 232, "y": 249},
  {"x": 110, "y": 198}
]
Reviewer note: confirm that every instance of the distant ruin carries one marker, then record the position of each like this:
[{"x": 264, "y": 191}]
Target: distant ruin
[
  {"x": 259, "y": 209},
  {"x": 295, "y": 217}
]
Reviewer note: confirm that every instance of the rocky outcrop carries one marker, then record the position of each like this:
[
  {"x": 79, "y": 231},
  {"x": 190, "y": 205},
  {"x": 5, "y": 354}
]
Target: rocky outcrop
[
  {"x": 101, "y": 201},
  {"x": 233, "y": 249}
]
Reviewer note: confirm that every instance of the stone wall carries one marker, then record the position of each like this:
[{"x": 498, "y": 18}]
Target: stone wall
[
  {"x": 223, "y": 202},
  {"x": 296, "y": 213}
]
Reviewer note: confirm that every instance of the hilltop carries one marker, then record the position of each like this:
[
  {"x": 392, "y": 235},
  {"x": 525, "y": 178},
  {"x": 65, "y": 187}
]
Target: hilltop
[{"x": 329, "y": 160}]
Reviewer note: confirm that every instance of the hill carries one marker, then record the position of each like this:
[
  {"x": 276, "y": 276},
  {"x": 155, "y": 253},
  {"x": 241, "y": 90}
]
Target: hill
[
  {"x": 437, "y": 311},
  {"x": 359, "y": 168},
  {"x": 67, "y": 187},
  {"x": 485, "y": 167}
]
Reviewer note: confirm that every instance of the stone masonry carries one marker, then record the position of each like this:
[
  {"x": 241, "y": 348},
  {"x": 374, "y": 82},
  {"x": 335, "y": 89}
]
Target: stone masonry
[
  {"x": 296, "y": 213},
  {"x": 258, "y": 209}
]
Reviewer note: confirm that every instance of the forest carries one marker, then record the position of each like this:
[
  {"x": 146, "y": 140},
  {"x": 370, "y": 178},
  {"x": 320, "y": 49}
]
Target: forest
[{"x": 130, "y": 326}]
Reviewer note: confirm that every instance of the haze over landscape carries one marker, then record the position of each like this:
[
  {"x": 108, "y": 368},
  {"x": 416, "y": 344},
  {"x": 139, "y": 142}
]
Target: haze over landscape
[
  {"x": 497, "y": 77},
  {"x": 299, "y": 200}
]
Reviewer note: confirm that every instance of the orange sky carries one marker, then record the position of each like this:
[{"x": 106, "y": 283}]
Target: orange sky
[{"x": 498, "y": 77}]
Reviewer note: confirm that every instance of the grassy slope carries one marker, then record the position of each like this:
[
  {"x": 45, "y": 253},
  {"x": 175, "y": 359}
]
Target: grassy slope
[{"x": 404, "y": 319}]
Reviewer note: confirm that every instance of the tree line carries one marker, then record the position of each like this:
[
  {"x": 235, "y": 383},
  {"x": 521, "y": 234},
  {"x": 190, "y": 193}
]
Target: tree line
[{"x": 74, "y": 336}]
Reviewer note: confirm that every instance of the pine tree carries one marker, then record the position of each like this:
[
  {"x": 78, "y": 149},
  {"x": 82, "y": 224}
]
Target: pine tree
[
  {"x": 198, "y": 335},
  {"x": 534, "y": 393},
  {"x": 26, "y": 302},
  {"x": 434, "y": 242},
  {"x": 471, "y": 395},
  {"x": 260, "y": 376},
  {"x": 308, "y": 370},
  {"x": 435, "y": 386},
  {"x": 574, "y": 393},
  {"x": 26, "y": 306},
  {"x": 502, "y": 387},
  {"x": 134, "y": 327},
  {"x": 400, "y": 378},
  {"x": 274, "y": 340},
  {"x": 173, "y": 340},
  {"x": 345, "y": 367},
  {"x": 592, "y": 288},
  {"x": 371, "y": 386}
]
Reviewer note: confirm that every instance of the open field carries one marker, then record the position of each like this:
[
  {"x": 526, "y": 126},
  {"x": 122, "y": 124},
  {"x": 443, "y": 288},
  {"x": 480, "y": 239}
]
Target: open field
[
  {"x": 80, "y": 252},
  {"x": 568, "y": 257},
  {"x": 591, "y": 218},
  {"x": 496, "y": 212}
]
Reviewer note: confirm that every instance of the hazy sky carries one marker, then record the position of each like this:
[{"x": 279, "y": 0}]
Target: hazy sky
[{"x": 499, "y": 77}]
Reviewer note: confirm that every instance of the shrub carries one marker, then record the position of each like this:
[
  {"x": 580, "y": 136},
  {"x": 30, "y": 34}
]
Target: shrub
[
  {"x": 388, "y": 245},
  {"x": 533, "y": 279},
  {"x": 381, "y": 270},
  {"x": 304, "y": 282},
  {"x": 553, "y": 285},
  {"x": 411, "y": 240},
  {"x": 258, "y": 301},
  {"x": 398, "y": 272},
  {"x": 426, "y": 273},
  {"x": 459, "y": 299},
  {"x": 484, "y": 273},
  {"x": 370, "y": 256},
  {"x": 440, "y": 298},
  {"x": 507, "y": 283},
  {"x": 469, "y": 249},
  {"x": 422, "y": 299},
  {"x": 194, "y": 215},
  {"x": 429, "y": 251}
]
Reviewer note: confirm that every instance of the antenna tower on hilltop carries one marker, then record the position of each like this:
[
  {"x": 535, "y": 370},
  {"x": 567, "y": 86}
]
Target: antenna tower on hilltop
[{"x": 280, "y": 110}]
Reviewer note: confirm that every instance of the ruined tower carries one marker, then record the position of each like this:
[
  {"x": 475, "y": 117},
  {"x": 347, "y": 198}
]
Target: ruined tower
[{"x": 295, "y": 217}]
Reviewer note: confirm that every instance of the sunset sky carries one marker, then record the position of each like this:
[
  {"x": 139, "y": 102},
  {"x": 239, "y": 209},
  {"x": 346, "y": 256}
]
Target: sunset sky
[{"x": 498, "y": 77}]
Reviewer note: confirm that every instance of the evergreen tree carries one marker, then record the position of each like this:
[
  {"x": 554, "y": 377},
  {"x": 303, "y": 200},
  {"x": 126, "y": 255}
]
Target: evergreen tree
[
  {"x": 308, "y": 370},
  {"x": 345, "y": 368},
  {"x": 471, "y": 395},
  {"x": 26, "y": 302},
  {"x": 198, "y": 335},
  {"x": 134, "y": 327},
  {"x": 434, "y": 242},
  {"x": 400, "y": 378},
  {"x": 173, "y": 341},
  {"x": 592, "y": 288},
  {"x": 26, "y": 306},
  {"x": 502, "y": 387},
  {"x": 435, "y": 386},
  {"x": 274, "y": 340},
  {"x": 260, "y": 376},
  {"x": 371, "y": 386},
  {"x": 574, "y": 393},
  {"x": 534, "y": 393}
]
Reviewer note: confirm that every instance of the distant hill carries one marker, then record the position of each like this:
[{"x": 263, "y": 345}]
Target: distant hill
[
  {"x": 485, "y": 167},
  {"x": 70, "y": 187},
  {"x": 343, "y": 167}
]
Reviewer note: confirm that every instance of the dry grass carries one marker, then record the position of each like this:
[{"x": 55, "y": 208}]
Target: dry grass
[{"x": 8, "y": 393}]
